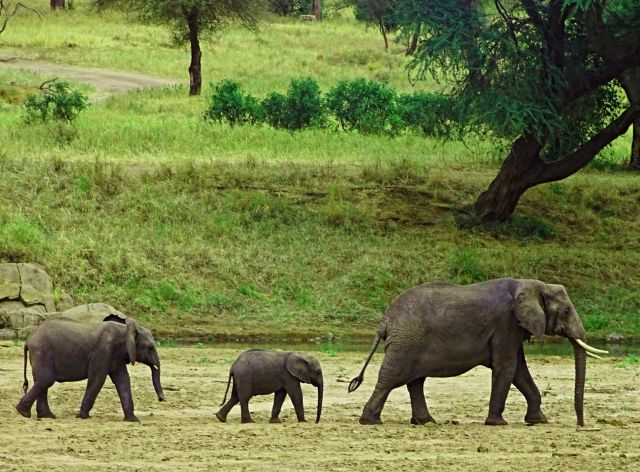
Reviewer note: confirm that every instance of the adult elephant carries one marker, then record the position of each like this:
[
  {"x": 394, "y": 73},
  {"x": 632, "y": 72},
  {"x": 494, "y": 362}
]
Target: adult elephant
[
  {"x": 66, "y": 350},
  {"x": 444, "y": 330}
]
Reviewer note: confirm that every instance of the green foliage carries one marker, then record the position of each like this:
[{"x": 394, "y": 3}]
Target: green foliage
[
  {"x": 57, "y": 100},
  {"x": 229, "y": 104},
  {"x": 290, "y": 7},
  {"x": 274, "y": 107},
  {"x": 363, "y": 105},
  {"x": 304, "y": 104},
  {"x": 427, "y": 112}
]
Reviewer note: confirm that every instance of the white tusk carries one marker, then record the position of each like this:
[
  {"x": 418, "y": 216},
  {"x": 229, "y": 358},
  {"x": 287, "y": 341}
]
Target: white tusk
[
  {"x": 588, "y": 348},
  {"x": 592, "y": 355}
]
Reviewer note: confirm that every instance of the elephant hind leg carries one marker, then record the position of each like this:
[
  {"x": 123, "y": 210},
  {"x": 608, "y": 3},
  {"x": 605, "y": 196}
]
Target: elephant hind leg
[
  {"x": 42, "y": 405},
  {"x": 39, "y": 389},
  {"x": 226, "y": 408},
  {"x": 388, "y": 379},
  {"x": 419, "y": 410}
]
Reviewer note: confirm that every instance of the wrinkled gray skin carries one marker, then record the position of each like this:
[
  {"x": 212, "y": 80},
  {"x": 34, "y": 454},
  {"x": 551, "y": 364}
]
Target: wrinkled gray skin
[
  {"x": 258, "y": 372},
  {"x": 67, "y": 350},
  {"x": 444, "y": 330}
]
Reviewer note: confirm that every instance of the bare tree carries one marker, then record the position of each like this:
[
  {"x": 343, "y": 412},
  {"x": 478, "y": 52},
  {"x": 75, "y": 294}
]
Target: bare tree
[{"x": 9, "y": 8}]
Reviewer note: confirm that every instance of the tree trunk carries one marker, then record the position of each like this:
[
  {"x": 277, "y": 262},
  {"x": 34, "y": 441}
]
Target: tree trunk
[
  {"x": 518, "y": 173},
  {"x": 316, "y": 9},
  {"x": 57, "y": 4},
  {"x": 383, "y": 30},
  {"x": 634, "y": 161},
  {"x": 195, "y": 75},
  {"x": 412, "y": 45}
]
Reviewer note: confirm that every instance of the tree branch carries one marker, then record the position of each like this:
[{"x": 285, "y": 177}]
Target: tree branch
[{"x": 584, "y": 154}]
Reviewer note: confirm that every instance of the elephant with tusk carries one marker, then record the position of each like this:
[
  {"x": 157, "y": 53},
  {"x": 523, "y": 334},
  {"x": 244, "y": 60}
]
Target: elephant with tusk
[{"x": 443, "y": 330}]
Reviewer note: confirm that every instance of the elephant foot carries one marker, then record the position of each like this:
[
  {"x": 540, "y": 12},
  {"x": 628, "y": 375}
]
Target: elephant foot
[
  {"x": 222, "y": 418},
  {"x": 83, "y": 416},
  {"x": 246, "y": 420},
  {"x": 420, "y": 421},
  {"x": 495, "y": 421},
  {"x": 132, "y": 419},
  {"x": 302, "y": 420},
  {"x": 364, "y": 420},
  {"x": 46, "y": 415},
  {"x": 275, "y": 420},
  {"x": 23, "y": 411},
  {"x": 535, "y": 418}
]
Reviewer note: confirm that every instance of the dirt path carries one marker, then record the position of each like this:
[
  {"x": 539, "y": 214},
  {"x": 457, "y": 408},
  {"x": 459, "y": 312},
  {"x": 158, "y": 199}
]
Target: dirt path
[
  {"x": 106, "y": 82},
  {"x": 182, "y": 433}
]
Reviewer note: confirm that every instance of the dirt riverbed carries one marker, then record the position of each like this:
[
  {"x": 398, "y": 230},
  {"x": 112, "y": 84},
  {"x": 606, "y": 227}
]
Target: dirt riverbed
[{"x": 183, "y": 434}]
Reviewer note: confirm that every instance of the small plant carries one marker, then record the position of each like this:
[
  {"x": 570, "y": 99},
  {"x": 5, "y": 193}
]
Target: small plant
[
  {"x": 274, "y": 107},
  {"x": 364, "y": 106},
  {"x": 57, "y": 100},
  {"x": 200, "y": 346},
  {"x": 230, "y": 104}
]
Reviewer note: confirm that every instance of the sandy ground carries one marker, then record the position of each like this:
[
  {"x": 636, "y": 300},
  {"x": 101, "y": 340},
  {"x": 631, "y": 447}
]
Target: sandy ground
[
  {"x": 106, "y": 82},
  {"x": 183, "y": 434}
]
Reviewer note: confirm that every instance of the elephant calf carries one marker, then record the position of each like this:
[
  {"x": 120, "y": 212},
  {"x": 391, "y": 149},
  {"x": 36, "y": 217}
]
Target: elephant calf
[
  {"x": 67, "y": 350},
  {"x": 259, "y": 372}
]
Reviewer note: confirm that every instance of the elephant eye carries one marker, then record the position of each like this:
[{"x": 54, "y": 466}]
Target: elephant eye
[{"x": 567, "y": 311}]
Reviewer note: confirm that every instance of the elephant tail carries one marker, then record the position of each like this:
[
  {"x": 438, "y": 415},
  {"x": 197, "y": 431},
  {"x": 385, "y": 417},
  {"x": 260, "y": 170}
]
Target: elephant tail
[
  {"x": 224, "y": 400},
  {"x": 25, "y": 384},
  {"x": 380, "y": 334}
]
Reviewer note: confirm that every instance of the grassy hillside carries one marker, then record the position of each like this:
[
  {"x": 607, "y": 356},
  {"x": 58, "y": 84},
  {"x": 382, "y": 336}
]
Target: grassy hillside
[{"x": 202, "y": 230}]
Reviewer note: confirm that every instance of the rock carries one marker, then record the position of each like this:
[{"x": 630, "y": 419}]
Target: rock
[
  {"x": 615, "y": 338},
  {"x": 7, "y": 334},
  {"x": 483, "y": 449},
  {"x": 92, "y": 312}
]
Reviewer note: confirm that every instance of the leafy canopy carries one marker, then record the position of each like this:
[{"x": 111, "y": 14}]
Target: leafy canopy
[{"x": 516, "y": 67}]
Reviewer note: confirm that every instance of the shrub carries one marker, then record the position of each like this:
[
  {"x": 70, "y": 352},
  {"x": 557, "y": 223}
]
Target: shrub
[
  {"x": 365, "y": 106},
  {"x": 300, "y": 108},
  {"x": 274, "y": 107},
  {"x": 290, "y": 7},
  {"x": 427, "y": 112},
  {"x": 229, "y": 103},
  {"x": 56, "y": 100}
]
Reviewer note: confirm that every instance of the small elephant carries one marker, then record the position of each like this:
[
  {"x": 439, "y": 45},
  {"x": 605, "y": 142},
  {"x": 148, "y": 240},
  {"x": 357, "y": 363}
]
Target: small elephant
[
  {"x": 67, "y": 350},
  {"x": 443, "y": 330},
  {"x": 259, "y": 372}
]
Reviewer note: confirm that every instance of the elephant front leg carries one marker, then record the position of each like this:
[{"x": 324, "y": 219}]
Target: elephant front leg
[
  {"x": 500, "y": 382},
  {"x": 419, "y": 411},
  {"x": 295, "y": 393},
  {"x": 94, "y": 384},
  {"x": 121, "y": 380},
  {"x": 278, "y": 400},
  {"x": 525, "y": 384}
]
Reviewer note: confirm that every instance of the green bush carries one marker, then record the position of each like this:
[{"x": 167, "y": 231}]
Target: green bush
[
  {"x": 300, "y": 108},
  {"x": 274, "y": 107},
  {"x": 228, "y": 103},
  {"x": 56, "y": 100},
  {"x": 427, "y": 112},
  {"x": 365, "y": 106}
]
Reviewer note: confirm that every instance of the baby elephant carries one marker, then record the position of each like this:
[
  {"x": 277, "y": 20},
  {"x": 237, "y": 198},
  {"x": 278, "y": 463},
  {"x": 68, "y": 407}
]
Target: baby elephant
[{"x": 259, "y": 372}]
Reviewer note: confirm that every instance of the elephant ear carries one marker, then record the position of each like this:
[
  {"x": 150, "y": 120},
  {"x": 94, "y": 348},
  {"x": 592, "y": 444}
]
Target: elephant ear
[
  {"x": 529, "y": 307},
  {"x": 298, "y": 366},
  {"x": 131, "y": 337}
]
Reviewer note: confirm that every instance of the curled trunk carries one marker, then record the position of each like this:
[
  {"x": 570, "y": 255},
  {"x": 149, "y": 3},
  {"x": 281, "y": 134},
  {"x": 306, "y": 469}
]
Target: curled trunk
[
  {"x": 581, "y": 361},
  {"x": 320, "y": 393}
]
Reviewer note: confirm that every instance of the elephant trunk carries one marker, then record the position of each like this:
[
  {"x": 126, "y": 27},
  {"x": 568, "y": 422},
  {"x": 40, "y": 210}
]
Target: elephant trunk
[
  {"x": 155, "y": 377},
  {"x": 320, "y": 392},
  {"x": 581, "y": 366}
]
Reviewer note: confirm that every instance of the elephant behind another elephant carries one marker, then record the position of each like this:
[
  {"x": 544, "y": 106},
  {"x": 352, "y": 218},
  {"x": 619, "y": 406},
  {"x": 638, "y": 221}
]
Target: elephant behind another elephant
[{"x": 65, "y": 350}]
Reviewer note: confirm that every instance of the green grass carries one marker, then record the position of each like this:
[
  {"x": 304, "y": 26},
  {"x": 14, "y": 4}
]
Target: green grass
[{"x": 209, "y": 232}]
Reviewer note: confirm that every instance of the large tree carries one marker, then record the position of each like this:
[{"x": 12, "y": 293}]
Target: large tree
[
  {"x": 544, "y": 74},
  {"x": 189, "y": 20}
]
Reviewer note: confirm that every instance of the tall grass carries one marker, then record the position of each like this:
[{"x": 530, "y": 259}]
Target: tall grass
[{"x": 200, "y": 229}]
